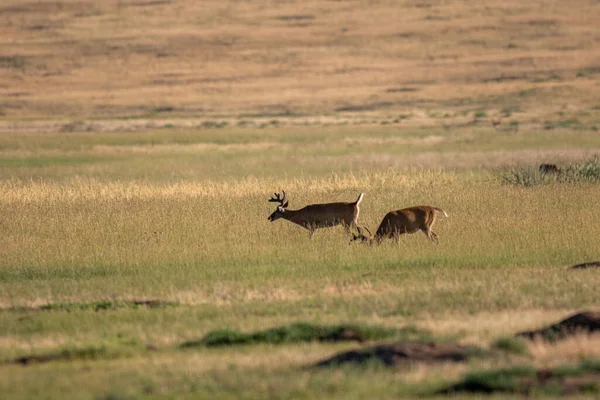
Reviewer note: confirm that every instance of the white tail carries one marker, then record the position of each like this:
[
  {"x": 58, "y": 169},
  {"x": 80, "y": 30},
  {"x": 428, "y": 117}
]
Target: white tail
[
  {"x": 315, "y": 216},
  {"x": 439, "y": 210},
  {"x": 360, "y": 197},
  {"x": 407, "y": 220}
]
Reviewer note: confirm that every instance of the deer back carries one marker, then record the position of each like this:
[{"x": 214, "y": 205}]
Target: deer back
[{"x": 406, "y": 220}]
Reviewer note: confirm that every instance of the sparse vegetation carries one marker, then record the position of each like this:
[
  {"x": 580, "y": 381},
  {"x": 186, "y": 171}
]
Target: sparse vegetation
[{"x": 529, "y": 176}]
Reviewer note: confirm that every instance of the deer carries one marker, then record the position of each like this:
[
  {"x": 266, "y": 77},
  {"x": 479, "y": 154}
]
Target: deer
[
  {"x": 406, "y": 220},
  {"x": 315, "y": 216}
]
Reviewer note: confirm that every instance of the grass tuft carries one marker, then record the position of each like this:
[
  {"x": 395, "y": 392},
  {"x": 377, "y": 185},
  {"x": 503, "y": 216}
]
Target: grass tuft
[{"x": 511, "y": 345}]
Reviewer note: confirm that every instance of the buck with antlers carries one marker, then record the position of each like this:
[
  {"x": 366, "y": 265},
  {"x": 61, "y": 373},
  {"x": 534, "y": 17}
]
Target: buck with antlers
[
  {"x": 407, "y": 220},
  {"x": 317, "y": 216}
]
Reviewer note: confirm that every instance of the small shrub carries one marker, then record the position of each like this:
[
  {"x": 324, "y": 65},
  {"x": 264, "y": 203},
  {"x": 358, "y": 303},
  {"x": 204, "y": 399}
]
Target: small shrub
[
  {"x": 587, "y": 171},
  {"x": 521, "y": 176},
  {"x": 480, "y": 114}
]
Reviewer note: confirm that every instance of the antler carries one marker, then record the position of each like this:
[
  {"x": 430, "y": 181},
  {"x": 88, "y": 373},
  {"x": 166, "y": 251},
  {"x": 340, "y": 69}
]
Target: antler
[
  {"x": 365, "y": 228},
  {"x": 278, "y": 199}
]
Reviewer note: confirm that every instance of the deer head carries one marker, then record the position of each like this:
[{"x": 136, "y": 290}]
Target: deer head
[
  {"x": 361, "y": 236},
  {"x": 278, "y": 213}
]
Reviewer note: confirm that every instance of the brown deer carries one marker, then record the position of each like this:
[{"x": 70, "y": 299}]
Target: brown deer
[
  {"x": 407, "y": 220},
  {"x": 317, "y": 216}
]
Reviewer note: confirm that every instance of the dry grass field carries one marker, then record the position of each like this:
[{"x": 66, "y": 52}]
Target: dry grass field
[{"x": 141, "y": 139}]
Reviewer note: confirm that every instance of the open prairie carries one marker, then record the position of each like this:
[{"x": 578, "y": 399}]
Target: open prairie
[{"x": 140, "y": 141}]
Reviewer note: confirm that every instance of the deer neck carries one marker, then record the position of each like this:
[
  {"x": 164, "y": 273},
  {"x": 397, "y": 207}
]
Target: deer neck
[{"x": 294, "y": 216}]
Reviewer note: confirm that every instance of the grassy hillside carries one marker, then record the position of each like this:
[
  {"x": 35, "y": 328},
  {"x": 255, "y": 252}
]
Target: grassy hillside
[{"x": 417, "y": 60}]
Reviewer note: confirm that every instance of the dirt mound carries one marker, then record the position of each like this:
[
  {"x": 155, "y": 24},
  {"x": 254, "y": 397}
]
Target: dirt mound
[
  {"x": 401, "y": 353},
  {"x": 584, "y": 322},
  {"x": 526, "y": 380},
  {"x": 592, "y": 264}
]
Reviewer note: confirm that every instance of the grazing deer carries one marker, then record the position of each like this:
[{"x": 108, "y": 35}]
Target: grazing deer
[
  {"x": 317, "y": 216},
  {"x": 407, "y": 220},
  {"x": 549, "y": 169}
]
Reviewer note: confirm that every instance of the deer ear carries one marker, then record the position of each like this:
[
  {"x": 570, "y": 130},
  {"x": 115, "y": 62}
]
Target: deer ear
[{"x": 285, "y": 205}]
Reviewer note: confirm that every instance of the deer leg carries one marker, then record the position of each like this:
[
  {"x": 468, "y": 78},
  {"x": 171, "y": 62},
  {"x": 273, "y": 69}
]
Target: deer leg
[{"x": 430, "y": 235}]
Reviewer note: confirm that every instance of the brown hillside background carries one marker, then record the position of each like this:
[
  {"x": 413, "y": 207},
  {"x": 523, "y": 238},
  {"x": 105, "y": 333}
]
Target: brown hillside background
[{"x": 240, "y": 59}]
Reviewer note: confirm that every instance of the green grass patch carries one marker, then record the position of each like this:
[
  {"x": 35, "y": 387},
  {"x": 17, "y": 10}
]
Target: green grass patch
[
  {"x": 511, "y": 345},
  {"x": 528, "y": 380},
  {"x": 116, "y": 347},
  {"x": 498, "y": 380},
  {"x": 302, "y": 332}
]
